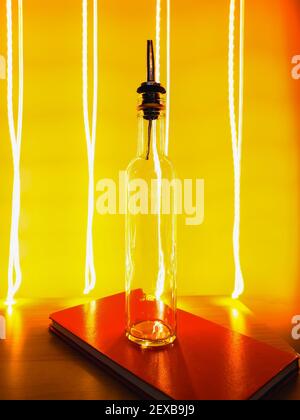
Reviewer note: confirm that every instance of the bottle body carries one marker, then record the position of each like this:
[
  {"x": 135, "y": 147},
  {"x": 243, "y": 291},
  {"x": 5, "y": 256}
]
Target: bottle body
[{"x": 151, "y": 240}]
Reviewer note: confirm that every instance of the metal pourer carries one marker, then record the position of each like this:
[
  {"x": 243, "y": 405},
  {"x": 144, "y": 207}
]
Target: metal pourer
[{"x": 151, "y": 91}]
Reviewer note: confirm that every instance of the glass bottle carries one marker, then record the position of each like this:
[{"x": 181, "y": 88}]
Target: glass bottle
[{"x": 151, "y": 225}]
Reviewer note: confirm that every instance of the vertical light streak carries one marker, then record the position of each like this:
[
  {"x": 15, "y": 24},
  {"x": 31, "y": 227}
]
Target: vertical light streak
[
  {"x": 168, "y": 85},
  {"x": 237, "y": 135},
  {"x": 157, "y": 41},
  {"x": 168, "y": 64},
  {"x": 161, "y": 271},
  {"x": 161, "y": 263},
  {"x": 90, "y": 134},
  {"x": 14, "y": 267}
]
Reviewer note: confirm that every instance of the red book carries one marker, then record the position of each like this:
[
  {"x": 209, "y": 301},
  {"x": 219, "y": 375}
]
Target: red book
[{"x": 206, "y": 362}]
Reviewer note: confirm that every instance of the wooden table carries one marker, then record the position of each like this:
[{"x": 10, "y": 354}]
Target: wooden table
[{"x": 36, "y": 365}]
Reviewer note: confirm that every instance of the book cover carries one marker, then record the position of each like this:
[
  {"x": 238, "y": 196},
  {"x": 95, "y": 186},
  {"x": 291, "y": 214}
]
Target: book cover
[{"x": 206, "y": 362}]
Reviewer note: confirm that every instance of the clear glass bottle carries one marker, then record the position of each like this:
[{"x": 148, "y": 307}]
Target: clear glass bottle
[{"x": 151, "y": 226}]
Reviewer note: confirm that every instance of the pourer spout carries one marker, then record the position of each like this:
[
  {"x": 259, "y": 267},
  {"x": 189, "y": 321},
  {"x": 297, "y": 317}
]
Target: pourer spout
[{"x": 150, "y": 62}]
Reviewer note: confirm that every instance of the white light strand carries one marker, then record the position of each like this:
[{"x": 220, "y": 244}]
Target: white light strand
[
  {"x": 162, "y": 271},
  {"x": 157, "y": 41},
  {"x": 160, "y": 284},
  {"x": 90, "y": 273},
  {"x": 237, "y": 135},
  {"x": 168, "y": 86},
  {"x": 168, "y": 64},
  {"x": 14, "y": 267}
]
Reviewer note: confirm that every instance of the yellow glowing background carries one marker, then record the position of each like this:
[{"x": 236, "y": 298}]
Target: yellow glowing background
[{"x": 54, "y": 160}]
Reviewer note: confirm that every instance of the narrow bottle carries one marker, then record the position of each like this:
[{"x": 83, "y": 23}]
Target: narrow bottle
[{"x": 151, "y": 224}]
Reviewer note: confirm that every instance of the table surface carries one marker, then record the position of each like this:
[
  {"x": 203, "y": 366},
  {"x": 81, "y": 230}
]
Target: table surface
[{"x": 36, "y": 365}]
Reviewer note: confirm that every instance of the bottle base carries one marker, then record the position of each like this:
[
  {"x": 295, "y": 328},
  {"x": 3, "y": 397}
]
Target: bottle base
[{"x": 151, "y": 334}]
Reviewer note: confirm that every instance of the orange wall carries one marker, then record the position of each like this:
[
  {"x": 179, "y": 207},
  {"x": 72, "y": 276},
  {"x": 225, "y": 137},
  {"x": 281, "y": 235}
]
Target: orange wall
[{"x": 54, "y": 163}]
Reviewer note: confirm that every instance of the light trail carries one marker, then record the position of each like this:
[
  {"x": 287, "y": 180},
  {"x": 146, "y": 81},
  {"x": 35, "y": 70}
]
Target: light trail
[
  {"x": 157, "y": 40},
  {"x": 160, "y": 284},
  {"x": 168, "y": 85},
  {"x": 236, "y": 135},
  {"x": 14, "y": 266},
  {"x": 161, "y": 272},
  {"x": 90, "y": 134}
]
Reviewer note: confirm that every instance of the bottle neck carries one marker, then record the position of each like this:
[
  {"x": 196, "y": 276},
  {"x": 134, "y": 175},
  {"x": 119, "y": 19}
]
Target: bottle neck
[{"x": 151, "y": 137}]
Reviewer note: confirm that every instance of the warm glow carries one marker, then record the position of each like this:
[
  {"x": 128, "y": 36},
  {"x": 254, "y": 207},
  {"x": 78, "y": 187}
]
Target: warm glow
[
  {"x": 14, "y": 268},
  {"x": 54, "y": 166},
  {"x": 237, "y": 136},
  {"x": 90, "y": 273}
]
